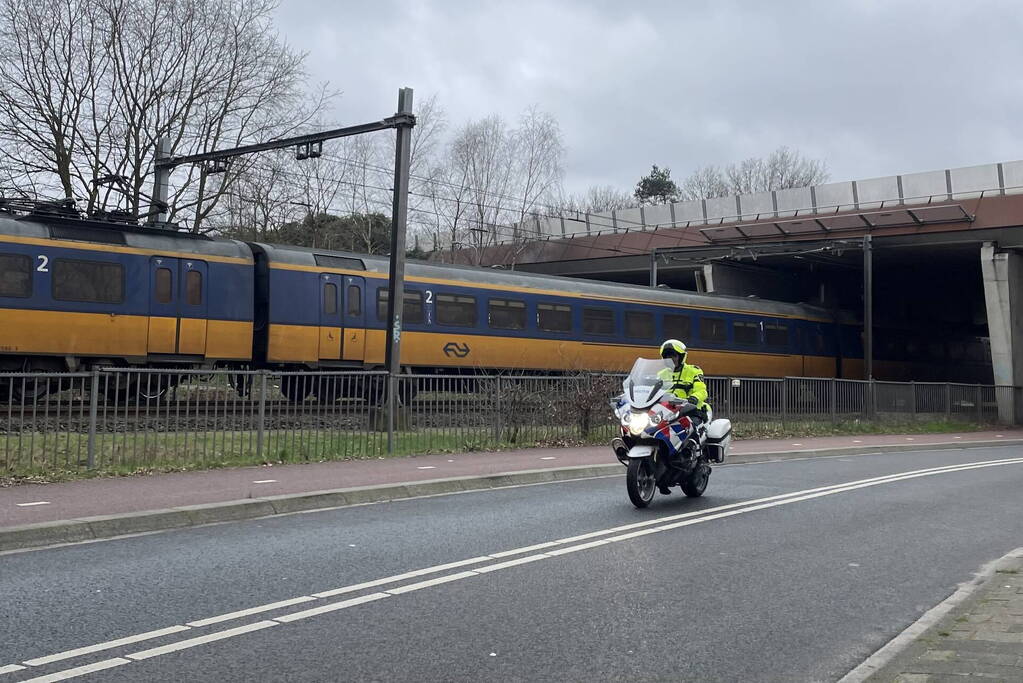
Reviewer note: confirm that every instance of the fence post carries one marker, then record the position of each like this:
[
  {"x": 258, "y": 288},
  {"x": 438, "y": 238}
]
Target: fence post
[
  {"x": 872, "y": 399},
  {"x": 834, "y": 400},
  {"x": 948, "y": 401},
  {"x": 912, "y": 404},
  {"x": 261, "y": 425},
  {"x": 498, "y": 413},
  {"x": 93, "y": 409},
  {"x": 980, "y": 405},
  {"x": 784, "y": 400},
  {"x": 392, "y": 385}
]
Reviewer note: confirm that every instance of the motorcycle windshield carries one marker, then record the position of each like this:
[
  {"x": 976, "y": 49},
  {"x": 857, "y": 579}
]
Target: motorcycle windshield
[{"x": 649, "y": 376}]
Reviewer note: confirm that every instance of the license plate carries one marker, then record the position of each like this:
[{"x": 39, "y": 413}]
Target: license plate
[{"x": 641, "y": 451}]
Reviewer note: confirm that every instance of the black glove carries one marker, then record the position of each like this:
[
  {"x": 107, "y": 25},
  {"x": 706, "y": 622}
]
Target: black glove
[{"x": 695, "y": 401}]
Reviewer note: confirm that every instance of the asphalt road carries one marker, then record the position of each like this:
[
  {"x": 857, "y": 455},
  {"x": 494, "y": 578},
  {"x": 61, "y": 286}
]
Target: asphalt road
[{"x": 798, "y": 587}]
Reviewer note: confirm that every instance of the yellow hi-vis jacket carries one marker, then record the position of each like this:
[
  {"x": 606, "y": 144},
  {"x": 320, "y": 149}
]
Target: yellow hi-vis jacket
[{"x": 685, "y": 383}]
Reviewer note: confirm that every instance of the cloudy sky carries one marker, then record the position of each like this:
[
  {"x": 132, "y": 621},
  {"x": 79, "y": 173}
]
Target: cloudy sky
[{"x": 871, "y": 87}]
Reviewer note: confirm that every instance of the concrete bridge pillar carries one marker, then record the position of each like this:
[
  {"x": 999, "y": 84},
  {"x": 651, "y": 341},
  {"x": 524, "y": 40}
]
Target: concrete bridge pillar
[{"x": 1003, "y": 295}]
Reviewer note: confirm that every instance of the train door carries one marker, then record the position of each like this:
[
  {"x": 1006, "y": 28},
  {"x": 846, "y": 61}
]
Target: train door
[
  {"x": 330, "y": 316},
  {"x": 355, "y": 318},
  {"x": 177, "y": 306},
  {"x": 193, "y": 295},
  {"x": 163, "y": 305}
]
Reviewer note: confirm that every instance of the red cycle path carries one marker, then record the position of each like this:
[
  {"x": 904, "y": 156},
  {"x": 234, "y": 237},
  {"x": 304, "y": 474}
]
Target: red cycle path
[{"x": 120, "y": 495}]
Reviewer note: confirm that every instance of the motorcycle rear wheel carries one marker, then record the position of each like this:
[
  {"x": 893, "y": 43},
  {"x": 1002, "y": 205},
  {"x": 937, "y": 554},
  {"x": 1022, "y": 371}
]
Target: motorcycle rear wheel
[{"x": 640, "y": 481}]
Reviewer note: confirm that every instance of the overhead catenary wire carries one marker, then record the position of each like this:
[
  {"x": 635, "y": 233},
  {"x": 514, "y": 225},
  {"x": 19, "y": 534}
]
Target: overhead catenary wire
[
  {"x": 516, "y": 233},
  {"x": 512, "y": 232}
]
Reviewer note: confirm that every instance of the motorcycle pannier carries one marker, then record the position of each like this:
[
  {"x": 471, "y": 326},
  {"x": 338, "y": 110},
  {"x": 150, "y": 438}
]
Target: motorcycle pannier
[{"x": 719, "y": 438}]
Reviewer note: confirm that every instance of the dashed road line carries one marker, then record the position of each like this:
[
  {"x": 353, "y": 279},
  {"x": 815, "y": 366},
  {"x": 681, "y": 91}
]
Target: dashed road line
[
  {"x": 201, "y": 640},
  {"x": 252, "y": 610},
  {"x": 33, "y": 504},
  {"x": 108, "y": 645},
  {"x": 79, "y": 671}
]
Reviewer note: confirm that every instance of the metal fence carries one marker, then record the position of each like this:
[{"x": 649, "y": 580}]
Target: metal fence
[{"x": 126, "y": 420}]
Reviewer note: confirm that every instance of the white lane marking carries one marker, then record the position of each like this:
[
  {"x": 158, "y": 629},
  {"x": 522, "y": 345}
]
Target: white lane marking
[
  {"x": 408, "y": 588},
  {"x": 797, "y": 444},
  {"x": 110, "y": 644},
  {"x": 519, "y": 551},
  {"x": 510, "y": 563},
  {"x": 909, "y": 438},
  {"x": 79, "y": 671},
  {"x": 634, "y": 534},
  {"x": 549, "y": 457},
  {"x": 574, "y": 548},
  {"x": 426, "y": 467},
  {"x": 201, "y": 640},
  {"x": 854, "y": 564},
  {"x": 999, "y": 436},
  {"x": 400, "y": 577},
  {"x": 957, "y": 437},
  {"x": 10, "y": 668},
  {"x": 857, "y": 441},
  {"x": 252, "y": 610},
  {"x": 265, "y": 481},
  {"x": 331, "y": 607},
  {"x": 28, "y": 505},
  {"x": 747, "y": 506}
]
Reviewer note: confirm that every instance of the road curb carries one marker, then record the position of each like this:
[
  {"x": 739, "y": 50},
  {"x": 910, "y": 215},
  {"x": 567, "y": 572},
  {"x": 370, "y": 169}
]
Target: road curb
[
  {"x": 966, "y": 594},
  {"x": 109, "y": 526}
]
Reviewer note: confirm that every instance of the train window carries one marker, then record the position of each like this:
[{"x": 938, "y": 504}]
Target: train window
[
  {"x": 354, "y": 300},
  {"x": 713, "y": 329},
  {"x": 554, "y": 317},
  {"x": 329, "y": 298},
  {"x": 598, "y": 321},
  {"x": 639, "y": 325},
  {"x": 15, "y": 275},
  {"x": 164, "y": 285},
  {"x": 328, "y": 261},
  {"x": 746, "y": 332},
  {"x": 88, "y": 281},
  {"x": 507, "y": 314},
  {"x": 412, "y": 311},
  {"x": 456, "y": 309},
  {"x": 818, "y": 340},
  {"x": 193, "y": 288},
  {"x": 776, "y": 334},
  {"x": 678, "y": 327}
]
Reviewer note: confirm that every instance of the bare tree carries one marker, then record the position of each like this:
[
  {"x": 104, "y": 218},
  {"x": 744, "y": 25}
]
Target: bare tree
[
  {"x": 600, "y": 199},
  {"x": 782, "y": 169},
  {"x": 88, "y": 86},
  {"x": 704, "y": 183}
]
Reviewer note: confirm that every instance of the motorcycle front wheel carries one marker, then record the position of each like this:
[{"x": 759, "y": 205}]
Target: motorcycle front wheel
[{"x": 641, "y": 481}]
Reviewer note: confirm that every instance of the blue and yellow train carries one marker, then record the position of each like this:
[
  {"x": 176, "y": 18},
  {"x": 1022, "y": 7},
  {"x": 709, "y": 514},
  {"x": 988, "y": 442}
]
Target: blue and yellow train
[{"x": 76, "y": 294}]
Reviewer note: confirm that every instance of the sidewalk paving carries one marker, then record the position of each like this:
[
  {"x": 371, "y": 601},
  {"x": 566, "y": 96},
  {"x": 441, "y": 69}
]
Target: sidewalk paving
[
  {"x": 979, "y": 639},
  {"x": 36, "y": 503}
]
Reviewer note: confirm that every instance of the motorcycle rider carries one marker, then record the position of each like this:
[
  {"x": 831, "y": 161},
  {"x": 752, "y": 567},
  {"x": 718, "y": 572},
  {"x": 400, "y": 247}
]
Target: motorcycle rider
[{"x": 685, "y": 381}]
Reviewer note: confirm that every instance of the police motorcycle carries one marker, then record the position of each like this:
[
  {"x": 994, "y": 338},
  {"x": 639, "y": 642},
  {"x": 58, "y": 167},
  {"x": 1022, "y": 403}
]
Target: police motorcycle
[{"x": 660, "y": 445}]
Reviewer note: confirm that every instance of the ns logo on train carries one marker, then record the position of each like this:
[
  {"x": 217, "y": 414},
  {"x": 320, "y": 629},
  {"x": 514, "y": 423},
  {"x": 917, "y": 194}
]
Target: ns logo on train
[{"x": 456, "y": 350}]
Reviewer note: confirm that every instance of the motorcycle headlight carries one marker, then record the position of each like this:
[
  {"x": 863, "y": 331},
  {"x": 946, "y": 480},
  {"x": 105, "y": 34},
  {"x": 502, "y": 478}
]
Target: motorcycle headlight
[{"x": 637, "y": 423}]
